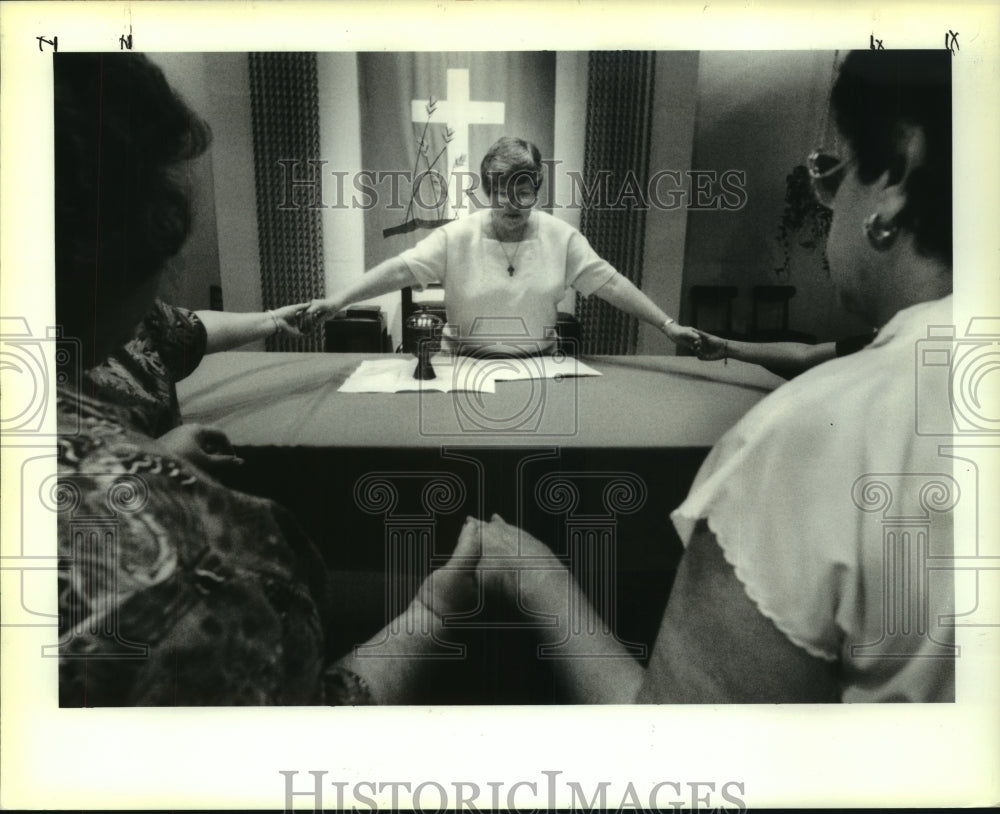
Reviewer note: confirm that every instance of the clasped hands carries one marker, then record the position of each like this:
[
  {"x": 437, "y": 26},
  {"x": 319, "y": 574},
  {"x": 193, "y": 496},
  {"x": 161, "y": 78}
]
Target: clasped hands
[
  {"x": 491, "y": 557},
  {"x": 684, "y": 336},
  {"x": 319, "y": 309},
  {"x": 710, "y": 348},
  {"x": 290, "y": 320}
]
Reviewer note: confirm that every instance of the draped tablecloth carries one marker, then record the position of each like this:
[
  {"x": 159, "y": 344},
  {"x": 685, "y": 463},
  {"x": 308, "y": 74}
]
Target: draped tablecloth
[{"x": 289, "y": 399}]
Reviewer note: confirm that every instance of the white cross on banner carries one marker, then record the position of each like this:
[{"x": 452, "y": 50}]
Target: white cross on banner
[
  {"x": 458, "y": 113},
  {"x": 474, "y": 99}
]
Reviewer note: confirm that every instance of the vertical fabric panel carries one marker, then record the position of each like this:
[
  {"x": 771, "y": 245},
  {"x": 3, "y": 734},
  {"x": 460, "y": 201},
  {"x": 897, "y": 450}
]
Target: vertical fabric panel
[
  {"x": 393, "y": 84},
  {"x": 619, "y": 124},
  {"x": 285, "y": 112}
]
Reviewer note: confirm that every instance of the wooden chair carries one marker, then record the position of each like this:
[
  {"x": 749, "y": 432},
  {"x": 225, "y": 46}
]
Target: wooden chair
[
  {"x": 712, "y": 309},
  {"x": 569, "y": 330},
  {"x": 359, "y": 329}
]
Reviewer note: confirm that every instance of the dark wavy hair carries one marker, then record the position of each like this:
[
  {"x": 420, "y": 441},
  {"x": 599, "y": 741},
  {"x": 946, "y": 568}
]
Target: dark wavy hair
[
  {"x": 875, "y": 93},
  {"x": 510, "y": 157},
  {"x": 122, "y": 208}
]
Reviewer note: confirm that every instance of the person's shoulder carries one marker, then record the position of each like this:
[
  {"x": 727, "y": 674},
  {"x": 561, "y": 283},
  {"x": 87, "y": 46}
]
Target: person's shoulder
[
  {"x": 459, "y": 230},
  {"x": 551, "y": 224},
  {"x": 827, "y": 404},
  {"x": 918, "y": 321},
  {"x": 847, "y": 392},
  {"x": 555, "y": 231},
  {"x": 837, "y": 381},
  {"x": 471, "y": 224}
]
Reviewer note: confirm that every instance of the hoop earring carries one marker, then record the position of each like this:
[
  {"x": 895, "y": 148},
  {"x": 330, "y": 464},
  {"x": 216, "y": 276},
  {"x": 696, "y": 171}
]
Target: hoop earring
[{"x": 880, "y": 235}]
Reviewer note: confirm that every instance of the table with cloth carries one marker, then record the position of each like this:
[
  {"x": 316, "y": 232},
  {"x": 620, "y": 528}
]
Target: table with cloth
[{"x": 383, "y": 482}]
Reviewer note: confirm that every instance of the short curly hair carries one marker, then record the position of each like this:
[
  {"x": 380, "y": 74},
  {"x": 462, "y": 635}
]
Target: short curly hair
[
  {"x": 875, "y": 93},
  {"x": 510, "y": 157},
  {"x": 122, "y": 209}
]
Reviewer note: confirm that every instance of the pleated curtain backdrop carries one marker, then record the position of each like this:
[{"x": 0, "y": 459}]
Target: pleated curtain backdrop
[
  {"x": 478, "y": 97},
  {"x": 618, "y": 129},
  {"x": 285, "y": 112}
]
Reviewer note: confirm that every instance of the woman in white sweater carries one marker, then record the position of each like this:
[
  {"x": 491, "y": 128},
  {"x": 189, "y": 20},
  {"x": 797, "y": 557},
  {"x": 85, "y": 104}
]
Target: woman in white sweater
[{"x": 506, "y": 268}]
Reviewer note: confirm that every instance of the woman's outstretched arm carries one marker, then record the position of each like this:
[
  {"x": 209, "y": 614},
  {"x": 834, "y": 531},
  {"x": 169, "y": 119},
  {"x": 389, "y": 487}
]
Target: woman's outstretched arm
[
  {"x": 623, "y": 295},
  {"x": 388, "y": 276},
  {"x": 225, "y": 330},
  {"x": 787, "y": 359}
]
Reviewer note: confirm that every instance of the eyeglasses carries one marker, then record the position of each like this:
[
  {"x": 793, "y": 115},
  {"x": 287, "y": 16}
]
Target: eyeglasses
[
  {"x": 826, "y": 173},
  {"x": 521, "y": 191}
]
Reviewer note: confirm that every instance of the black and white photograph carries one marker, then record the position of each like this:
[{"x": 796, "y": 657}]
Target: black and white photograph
[{"x": 320, "y": 494}]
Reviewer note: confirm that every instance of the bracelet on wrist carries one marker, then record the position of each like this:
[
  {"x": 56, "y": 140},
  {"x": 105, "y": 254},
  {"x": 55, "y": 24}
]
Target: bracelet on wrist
[{"x": 666, "y": 322}]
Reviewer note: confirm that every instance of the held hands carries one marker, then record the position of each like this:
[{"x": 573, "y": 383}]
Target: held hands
[
  {"x": 495, "y": 556},
  {"x": 512, "y": 559},
  {"x": 319, "y": 310},
  {"x": 711, "y": 347},
  {"x": 682, "y": 335},
  {"x": 455, "y": 586},
  {"x": 288, "y": 319},
  {"x": 206, "y": 447}
]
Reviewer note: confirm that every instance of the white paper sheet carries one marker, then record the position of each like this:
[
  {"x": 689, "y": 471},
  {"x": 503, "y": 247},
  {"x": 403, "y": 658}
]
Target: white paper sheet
[
  {"x": 538, "y": 367},
  {"x": 459, "y": 373}
]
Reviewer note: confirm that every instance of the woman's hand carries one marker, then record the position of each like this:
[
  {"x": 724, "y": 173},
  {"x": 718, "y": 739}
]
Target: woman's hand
[
  {"x": 407, "y": 670},
  {"x": 287, "y": 318},
  {"x": 454, "y": 586},
  {"x": 711, "y": 348},
  {"x": 206, "y": 447},
  {"x": 512, "y": 560},
  {"x": 321, "y": 309},
  {"x": 682, "y": 335},
  {"x": 493, "y": 555}
]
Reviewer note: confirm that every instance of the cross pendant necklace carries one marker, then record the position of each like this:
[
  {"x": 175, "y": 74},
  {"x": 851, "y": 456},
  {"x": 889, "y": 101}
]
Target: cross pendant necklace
[{"x": 510, "y": 258}]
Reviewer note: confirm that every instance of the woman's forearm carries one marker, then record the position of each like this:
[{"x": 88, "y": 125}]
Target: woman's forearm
[
  {"x": 590, "y": 664},
  {"x": 790, "y": 356},
  {"x": 623, "y": 295},
  {"x": 399, "y": 673},
  {"x": 588, "y": 661},
  {"x": 388, "y": 276},
  {"x": 228, "y": 330}
]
